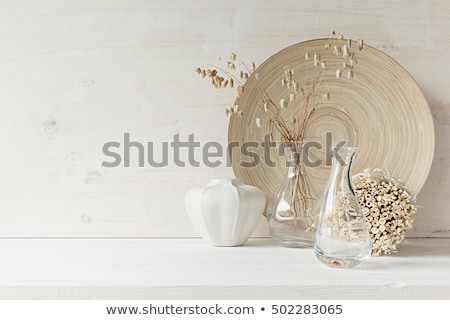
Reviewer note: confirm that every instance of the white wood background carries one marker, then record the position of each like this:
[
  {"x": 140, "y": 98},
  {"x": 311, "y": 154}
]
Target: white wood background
[{"x": 76, "y": 74}]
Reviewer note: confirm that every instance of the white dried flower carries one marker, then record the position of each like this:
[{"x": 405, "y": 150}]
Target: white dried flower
[{"x": 387, "y": 216}]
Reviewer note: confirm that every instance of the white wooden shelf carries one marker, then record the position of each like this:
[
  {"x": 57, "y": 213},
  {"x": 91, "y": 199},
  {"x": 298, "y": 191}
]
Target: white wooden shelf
[{"x": 190, "y": 269}]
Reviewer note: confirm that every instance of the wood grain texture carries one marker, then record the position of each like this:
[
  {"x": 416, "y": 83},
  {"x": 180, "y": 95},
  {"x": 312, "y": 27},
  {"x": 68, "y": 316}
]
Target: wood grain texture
[
  {"x": 76, "y": 74},
  {"x": 191, "y": 269}
]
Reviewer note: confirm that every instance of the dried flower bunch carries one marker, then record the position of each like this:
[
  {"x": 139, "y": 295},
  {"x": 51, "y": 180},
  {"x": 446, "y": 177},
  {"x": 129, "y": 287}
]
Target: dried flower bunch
[{"x": 388, "y": 208}]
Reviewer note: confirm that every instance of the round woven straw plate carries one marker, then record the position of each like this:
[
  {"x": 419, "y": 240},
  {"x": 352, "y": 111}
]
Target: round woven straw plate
[{"x": 382, "y": 111}]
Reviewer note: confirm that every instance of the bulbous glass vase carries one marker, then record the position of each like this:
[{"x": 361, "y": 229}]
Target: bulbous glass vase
[
  {"x": 293, "y": 211},
  {"x": 342, "y": 239}
]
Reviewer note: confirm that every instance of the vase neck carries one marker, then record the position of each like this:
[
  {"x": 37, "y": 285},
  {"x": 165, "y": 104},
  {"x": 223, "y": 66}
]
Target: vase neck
[{"x": 342, "y": 166}]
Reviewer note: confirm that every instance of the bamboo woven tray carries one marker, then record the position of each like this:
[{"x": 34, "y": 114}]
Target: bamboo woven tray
[{"x": 382, "y": 111}]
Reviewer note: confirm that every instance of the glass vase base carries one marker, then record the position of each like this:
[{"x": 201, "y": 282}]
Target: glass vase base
[
  {"x": 295, "y": 242},
  {"x": 340, "y": 263}
]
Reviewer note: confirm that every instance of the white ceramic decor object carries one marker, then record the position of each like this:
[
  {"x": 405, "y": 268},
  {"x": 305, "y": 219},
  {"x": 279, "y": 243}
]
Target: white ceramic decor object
[{"x": 225, "y": 212}]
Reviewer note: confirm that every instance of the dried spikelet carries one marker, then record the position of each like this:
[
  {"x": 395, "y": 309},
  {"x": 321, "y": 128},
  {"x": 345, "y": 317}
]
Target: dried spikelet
[
  {"x": 283, "y": 104},
  {"x": 326, "y": 97},
  {"x": 231, "y": 65},
  {"x": 283, "y": 82},
  {"x": 327, "y": 46},
  {"x": 253, "y": 66},
  {"x": 360, "y": 44},
  {"x": 225, "y": 84},
  {"x": 337, "y": 51},
  {"x": 203, "y": 73},
  {"x": 291, "y": 97},
  {"x": 341, "y": 37},
  {"x": 258, "y": 122},
  {"x": 344, "y": 65},
  {"x": 316, "y": 59},
  {"x": 246, "y": 76},
  {"x": 241, "y": 75},
  {"x": 231, "y": 83},
  {"x": 256, "y": 76},
  {"x": 240, "y": 91},
  {"x": 233, "y": 56},
  {"x": 265, "y": 107},
  {"x": 227, "y": 112},
  {"x": 307, "y": 56},
  {"x": 338, "y": 74},
  {"x": 345, "y": 51},
  {"x": 350, "y": 74},
  {"x": 323, "y": 65},
  {"x": 349, "y": 43},
  {"x": 198, "y": 71},
  {"x": 288, "y": 75},
  {"x": 240, "y": 114},
  {"x": 295, "y": 86}
]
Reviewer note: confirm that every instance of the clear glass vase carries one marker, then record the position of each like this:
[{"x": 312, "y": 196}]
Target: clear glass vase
[
  {"x": 293, "y": 211},
  {"x": 342, "y": 239}
]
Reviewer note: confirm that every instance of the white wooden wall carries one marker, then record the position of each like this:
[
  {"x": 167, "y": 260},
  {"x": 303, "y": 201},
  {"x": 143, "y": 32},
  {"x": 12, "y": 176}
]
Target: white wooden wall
[{"x": 76, "y": 74}]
